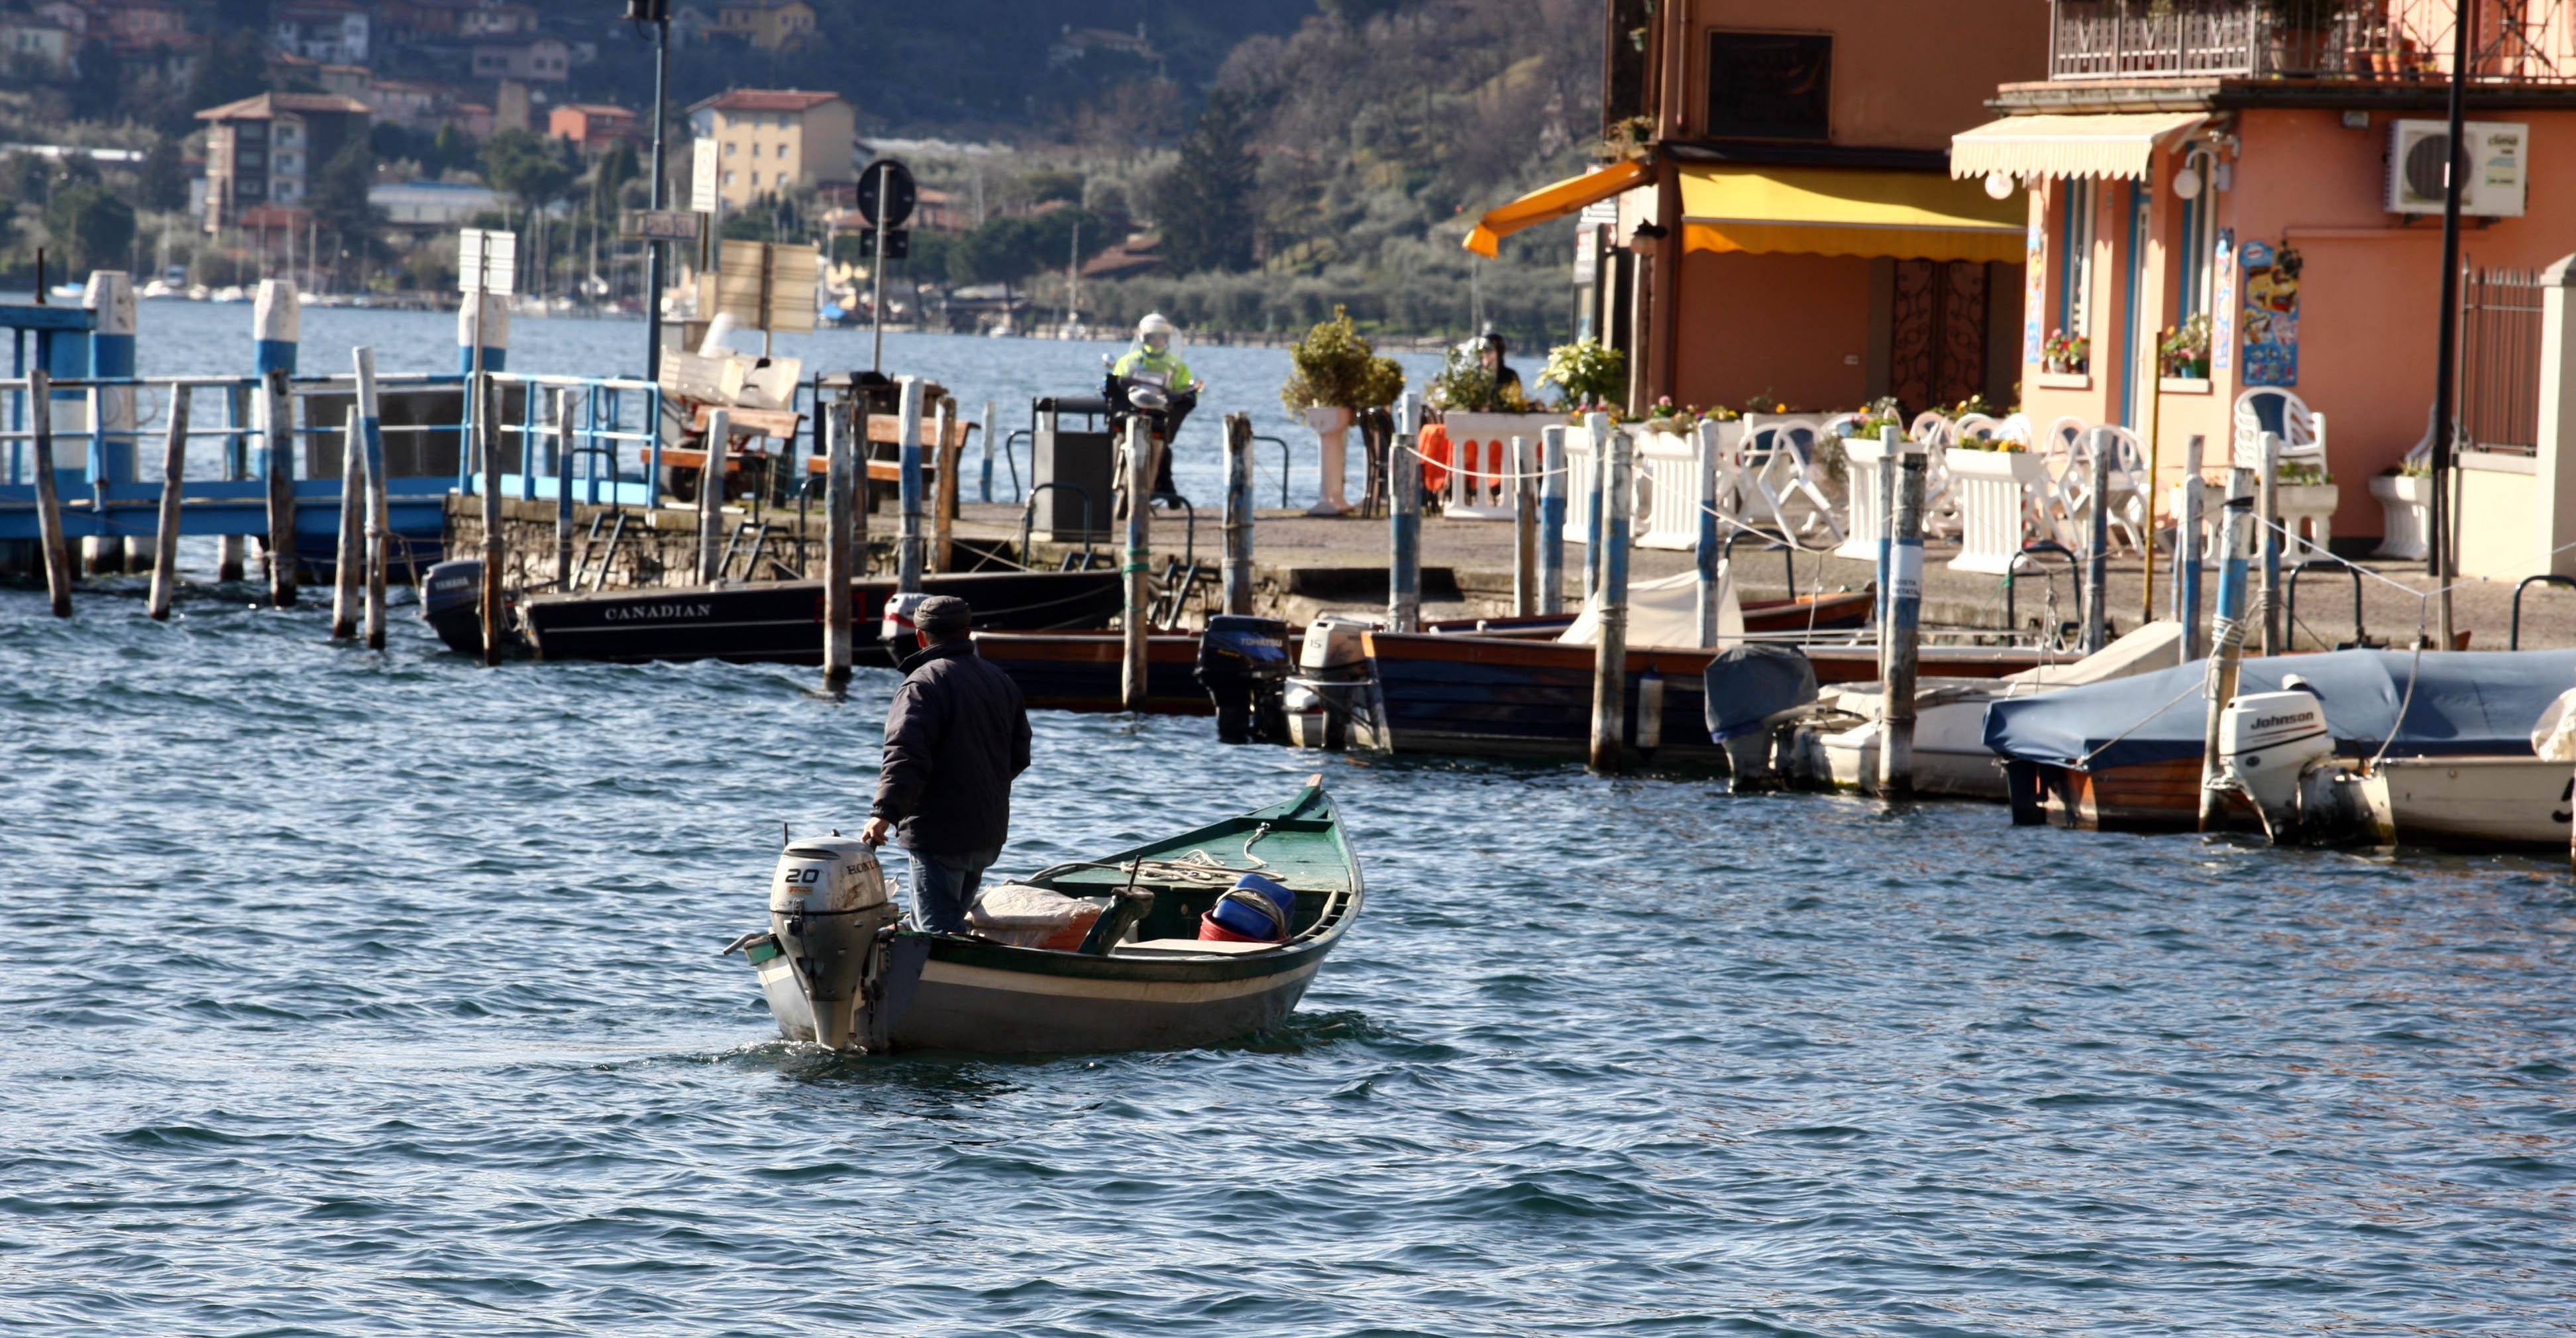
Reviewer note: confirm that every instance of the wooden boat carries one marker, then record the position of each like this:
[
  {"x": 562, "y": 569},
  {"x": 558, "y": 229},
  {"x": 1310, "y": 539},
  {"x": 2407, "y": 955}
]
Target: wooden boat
[
  {"x": 1503, "y": 698},
  {"x": 1141, "y": 977},
  {"x": 781, "y": 622}
]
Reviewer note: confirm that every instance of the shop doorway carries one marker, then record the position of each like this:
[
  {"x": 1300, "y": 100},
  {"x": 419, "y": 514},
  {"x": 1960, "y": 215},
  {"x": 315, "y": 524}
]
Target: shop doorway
[{"x": 1937, "y": 343}]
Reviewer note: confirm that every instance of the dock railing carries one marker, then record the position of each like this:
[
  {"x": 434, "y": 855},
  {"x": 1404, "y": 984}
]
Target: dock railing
[{"x": 615, "y": 458}]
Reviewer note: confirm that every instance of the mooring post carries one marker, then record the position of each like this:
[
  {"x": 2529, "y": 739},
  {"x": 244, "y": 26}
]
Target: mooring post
[
  {"x": 711, "y": 484},
  {"x": 109, "y": 296},
  {"x": 1135, "y": 564},
  {"x": 2267, "y": 506},
  {"x": 952, "y": 455},
  {"x": 1238, "y": 513},
  {"x": 276, "y": 324},
  {"x": 49, "y": 506},
  {"x": 1705, "y": 607},
  {"x": 1610, "y": 652},
  {"x": 2187, "y": 554},
  {"x": 349, "y": 568},
  {"x": 228, "y": 547},
  {"x": 1404, "y": 518},
  {"x": 487, "y": 420},
  {"x": 2097, "y": 555},
  {"x": 1551, "y": 520},
  {"x": 1597, "y": 427},
  {"x": 2227, "y": 632},
  {"x": 984, "y": 489},
  {"x": 371, "y": 429},
  {"x": 840, "y": 487},
  {"x": 1891, "y": 444},
  {"x": 1524, "y": 530},
  {"x": 909, "y": 557},
  {"x": 564, "y": 400},
  {"x": 165, "y": 539},
  {"x": 1904, "y": 619}
]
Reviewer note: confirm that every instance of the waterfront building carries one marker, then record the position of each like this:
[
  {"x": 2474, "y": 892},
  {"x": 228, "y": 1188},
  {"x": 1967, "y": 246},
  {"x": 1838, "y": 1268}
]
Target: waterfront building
[
  {"x": 2232, "y": 194},
  {"x": 595, "y": 127},
  {"x": 771, "y": 25},
  {"x": 263, "y": 150},
  {"x": 1778, "y": 219},
  {"x": 542, "y": 60},
  {"x": 771, "y": 140},
  {"x": 333, "y": 32}
]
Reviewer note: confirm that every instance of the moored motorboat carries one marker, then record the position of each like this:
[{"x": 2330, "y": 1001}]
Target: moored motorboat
[
  {"x": 781, "y": 622},
  {"x": 1129, "y": 951}
]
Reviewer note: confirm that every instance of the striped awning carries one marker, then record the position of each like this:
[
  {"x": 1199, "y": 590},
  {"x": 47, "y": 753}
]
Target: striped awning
[
  {"x": 1848, "y": 212},
  {"x": 2111, "y": 144},
  {"x": 1553, "y": 202}
]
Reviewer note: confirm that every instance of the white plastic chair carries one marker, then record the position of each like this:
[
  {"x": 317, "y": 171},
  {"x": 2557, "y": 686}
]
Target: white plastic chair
[
  {"x": 2303, "y": 430},
  {"x": 1777, "y": 459}
]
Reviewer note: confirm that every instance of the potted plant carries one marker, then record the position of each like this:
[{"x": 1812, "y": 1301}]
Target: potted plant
[
  {"x": 2300, "y": 37},
  {"x": 2184, "y": 352},
  {"x": 1592, "y": 375},
  {"x": 2305, "y": 492},
  {"x": 1334, "y": 374},
  {"x": 2405, "y": 493},
  {"x": 2065, "y": 353}
]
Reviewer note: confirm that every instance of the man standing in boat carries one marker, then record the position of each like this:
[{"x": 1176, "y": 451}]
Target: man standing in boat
[{"x": 955, "y": 736}]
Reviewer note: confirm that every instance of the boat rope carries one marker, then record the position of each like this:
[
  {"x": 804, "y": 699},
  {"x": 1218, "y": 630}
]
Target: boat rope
[{"x": 1249, "y": 841}]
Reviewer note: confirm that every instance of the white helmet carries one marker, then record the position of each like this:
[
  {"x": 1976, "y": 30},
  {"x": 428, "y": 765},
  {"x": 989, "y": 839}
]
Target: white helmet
[{"x": 1154, "y": 324}]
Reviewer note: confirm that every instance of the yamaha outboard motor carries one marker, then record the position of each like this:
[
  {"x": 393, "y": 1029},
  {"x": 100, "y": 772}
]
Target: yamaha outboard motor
[
  {"x": 828, "y": 912},
  {"x": 451, "y": 602},
  {"x": 1243, "y": 664}
]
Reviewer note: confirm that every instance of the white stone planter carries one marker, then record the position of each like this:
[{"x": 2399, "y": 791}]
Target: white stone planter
[
  {"x": 2307, "y": 509},
  {"x": 1993, "y": 489},
  {"x": 1865, "y": 459},
  {"x": 1332, "y": 427},
  {"x": 2406, "y": 502}
]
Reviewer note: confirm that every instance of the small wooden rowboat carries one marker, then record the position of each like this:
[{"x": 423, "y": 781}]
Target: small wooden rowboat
[{"x": 1141, "y": 977}]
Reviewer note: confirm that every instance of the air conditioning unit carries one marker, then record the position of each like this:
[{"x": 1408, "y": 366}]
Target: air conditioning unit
[{"x": 2497, "y": 158}]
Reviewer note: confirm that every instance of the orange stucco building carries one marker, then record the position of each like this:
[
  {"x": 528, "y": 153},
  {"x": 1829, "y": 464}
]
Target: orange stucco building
[{"x": 2262, "y": 163}]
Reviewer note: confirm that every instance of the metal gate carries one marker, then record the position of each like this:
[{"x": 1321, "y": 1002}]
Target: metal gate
[{"x": 2499, "y": 374}]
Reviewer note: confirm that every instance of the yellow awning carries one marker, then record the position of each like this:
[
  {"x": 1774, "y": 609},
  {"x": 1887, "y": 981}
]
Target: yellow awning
[
  {"x": 1842, "y": 212},
  {"x": 1556, "y": 201},
  {"x": 2112, "y": 144}
]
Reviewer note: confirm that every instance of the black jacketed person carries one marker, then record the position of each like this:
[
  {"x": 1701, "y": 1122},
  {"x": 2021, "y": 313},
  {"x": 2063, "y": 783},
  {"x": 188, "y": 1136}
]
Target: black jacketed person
[{"x": 955, "y": 735}]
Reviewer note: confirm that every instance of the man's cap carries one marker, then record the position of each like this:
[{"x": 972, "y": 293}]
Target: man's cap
[{"x": 943, "y": 616}]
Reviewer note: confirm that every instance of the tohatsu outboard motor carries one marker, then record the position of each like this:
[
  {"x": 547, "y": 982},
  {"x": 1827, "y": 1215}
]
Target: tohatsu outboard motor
[
  {"x": 1243, "y": 664},
  {"x": 828, "y": 911}
]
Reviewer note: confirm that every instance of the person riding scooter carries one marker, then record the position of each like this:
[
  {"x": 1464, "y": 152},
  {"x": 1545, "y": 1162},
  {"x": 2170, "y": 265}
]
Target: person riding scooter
[{"x": 1151, "y": 362}]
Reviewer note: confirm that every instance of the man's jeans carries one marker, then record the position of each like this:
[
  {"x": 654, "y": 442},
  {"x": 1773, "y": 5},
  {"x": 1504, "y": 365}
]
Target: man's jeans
[{"x": 944, "y": 888}]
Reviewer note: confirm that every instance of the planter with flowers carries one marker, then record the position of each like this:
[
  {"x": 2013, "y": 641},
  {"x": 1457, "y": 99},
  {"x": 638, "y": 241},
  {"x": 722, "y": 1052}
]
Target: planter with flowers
[
  {"x": 1336, "y": 375},
  {"x": 2405, "y": 494},
  {"x": 2182, "y": 357},
  {"x": 1994, "y": 481},
  {"x": 2305, "y": 495}
]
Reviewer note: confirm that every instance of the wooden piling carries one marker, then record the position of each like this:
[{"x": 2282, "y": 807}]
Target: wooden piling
[
  {"x": 1238, "y": 513},
  {"x": 277, "y": 421},
  {"x": 564, "y": 453},
  {"x": 2097, "y": 556},
  {"x": 1404, "y": 518},
  {"x": 2227, "y": 635},
  {"x": 1551, "y": 520},
  {"x": 840, "y": 489},
  {"x": 1597, "y": 426},
  {"x": 2187, "y": 555},
  {"x": 49, "y": 506},
  {"x": 1610, "y": 652},
  {"x": 349, "y": 568},
  {"x": 487, "y": 425},
  {"x": 2267, "y": 506},
  {"x": 1135, "y": 563},
  {"x": 228, "y": 548},
  {"x": 1524, "y": 530},
  {"x": 1704, "y": 607},
  {"x": 944, "y": 513},
  {"x": 165, "y": 539},
  {"x": 984, "y": 492},
  {"x": 711, "y": 499},
  {"x": 1905, "y": 612},
  {"x": 910, "y": 556},
  {"x": 371, "y": 430}
]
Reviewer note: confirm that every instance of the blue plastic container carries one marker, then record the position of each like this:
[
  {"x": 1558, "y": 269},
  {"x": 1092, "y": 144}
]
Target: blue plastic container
[
  {"x": 1249, "y": 915},
  {"x": 1279, "y": 896}
]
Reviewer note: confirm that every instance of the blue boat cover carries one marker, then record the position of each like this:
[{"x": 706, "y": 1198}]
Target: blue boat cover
[
  {"x": 2465, "y": 702},
  {"x": 1748, "y": 684}
]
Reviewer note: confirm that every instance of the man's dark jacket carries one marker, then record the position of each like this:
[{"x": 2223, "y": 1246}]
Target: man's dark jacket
[{"x": 956, "y": 734}]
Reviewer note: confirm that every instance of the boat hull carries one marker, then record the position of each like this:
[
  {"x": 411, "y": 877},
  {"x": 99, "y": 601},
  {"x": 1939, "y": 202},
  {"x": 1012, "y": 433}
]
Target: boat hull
[
  {"x": 781, "y": 622},
  {"x": 2473, "y": 803},
  {"x": 1086, "y": 671}
]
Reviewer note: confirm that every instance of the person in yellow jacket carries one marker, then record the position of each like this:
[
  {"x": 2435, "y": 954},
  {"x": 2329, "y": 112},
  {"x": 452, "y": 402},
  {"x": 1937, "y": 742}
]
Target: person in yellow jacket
[{"x": 1152, "y": 357}]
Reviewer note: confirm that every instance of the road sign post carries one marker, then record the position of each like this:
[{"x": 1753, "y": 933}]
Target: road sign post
[{"x": 885, "y": 200}]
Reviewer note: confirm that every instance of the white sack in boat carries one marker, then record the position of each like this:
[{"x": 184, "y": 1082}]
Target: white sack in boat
[
  {"x": 1664, "y": 612},
  {"x": 2553, "y": 739},
  {"x": 1032, "y": 917}
]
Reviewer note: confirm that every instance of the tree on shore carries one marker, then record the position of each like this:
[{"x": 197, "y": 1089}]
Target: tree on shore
[
  {"x": 1204, "y": 201},
  {"x": 93, "y": 225}
]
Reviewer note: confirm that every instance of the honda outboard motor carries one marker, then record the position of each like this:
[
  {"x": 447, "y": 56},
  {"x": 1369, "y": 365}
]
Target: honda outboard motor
[
  {"x": 451, "y": 602},
  {"x": 1243, "y": 664},
  {"x": 827, "y": 910}
]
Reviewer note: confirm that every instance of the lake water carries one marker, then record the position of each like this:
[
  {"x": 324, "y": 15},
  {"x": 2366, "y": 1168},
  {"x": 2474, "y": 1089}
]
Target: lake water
[
  {"x": 199, "y": 338},
  {"x": 345, "y": 993}
]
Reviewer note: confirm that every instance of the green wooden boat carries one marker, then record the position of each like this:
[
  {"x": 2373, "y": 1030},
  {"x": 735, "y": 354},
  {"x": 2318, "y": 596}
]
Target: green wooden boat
[{"x": 1141, "y": 977}]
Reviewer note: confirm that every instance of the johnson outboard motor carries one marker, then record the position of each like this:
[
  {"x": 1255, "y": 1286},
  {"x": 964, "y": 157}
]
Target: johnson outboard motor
[
  {"x": 1243, "y": 664},
  {"x": 829, "y": 915},
  {"x": 451, "y": 602},
  {"x": 2277, "y": 749}
]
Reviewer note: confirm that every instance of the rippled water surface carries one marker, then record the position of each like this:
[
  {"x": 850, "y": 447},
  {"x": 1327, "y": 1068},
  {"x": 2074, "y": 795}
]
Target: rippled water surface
[{"x": 358, "y": 994}]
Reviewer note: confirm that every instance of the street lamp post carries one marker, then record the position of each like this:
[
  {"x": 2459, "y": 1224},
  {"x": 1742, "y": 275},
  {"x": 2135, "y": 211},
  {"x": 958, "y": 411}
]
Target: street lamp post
[
  {"x": 2446, "y": 356},
  {"x": 658, "y": 14}
]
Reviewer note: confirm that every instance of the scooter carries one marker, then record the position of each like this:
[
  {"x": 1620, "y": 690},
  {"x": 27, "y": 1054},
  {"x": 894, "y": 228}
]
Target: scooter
[{"x": 1164, "y": 410}]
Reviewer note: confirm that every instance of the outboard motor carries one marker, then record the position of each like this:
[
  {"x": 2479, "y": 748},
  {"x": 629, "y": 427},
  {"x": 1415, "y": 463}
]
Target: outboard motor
[
  {"x": 2276, "y": 749},
  {"x": 1243, "y": 664},
  {"x": 1749, "y": 692},
  {"x": 451, "y": 602},
  {"x": 828, "y": 909},
  {"x": 1331, "y": 683},
  {"x": 894, "y": 627}
]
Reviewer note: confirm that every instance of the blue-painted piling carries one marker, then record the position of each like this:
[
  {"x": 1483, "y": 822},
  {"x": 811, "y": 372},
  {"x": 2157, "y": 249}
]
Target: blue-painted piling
[
  {"x": 1551, "y": 520},
  {"x": 1709, "y": 540},
  {"x": 1404, "y": 519},
  {"x": 911, "y": 546}
]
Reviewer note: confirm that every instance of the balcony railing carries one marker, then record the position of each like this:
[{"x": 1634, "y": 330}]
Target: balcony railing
[{"x": 2516, "y": 41}]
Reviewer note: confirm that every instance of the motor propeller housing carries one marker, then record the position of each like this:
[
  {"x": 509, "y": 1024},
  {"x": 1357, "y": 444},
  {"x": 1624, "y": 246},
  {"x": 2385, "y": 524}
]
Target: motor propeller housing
[{"x": 827, "y": 904}]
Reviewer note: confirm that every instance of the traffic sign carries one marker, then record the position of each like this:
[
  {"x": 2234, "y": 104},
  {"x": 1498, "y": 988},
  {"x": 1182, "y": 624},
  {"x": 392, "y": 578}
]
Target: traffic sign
[
  {"x": 487, "y": 260},
  {"x": 660, "y": 225},
  {"x": 898, "y": 244},
  {"x": 702, "y": 176},
  {"x": 895, "y": 181}
]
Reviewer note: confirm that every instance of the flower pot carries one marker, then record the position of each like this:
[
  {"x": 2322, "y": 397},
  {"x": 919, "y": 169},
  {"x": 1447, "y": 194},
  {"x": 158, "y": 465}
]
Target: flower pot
[
  {"x": 1993, "y": 489},
  {"x": 2314, "y": 504},
  {"x": 1332, "y": 425},
  {"x": 2405, "y": 506}
]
